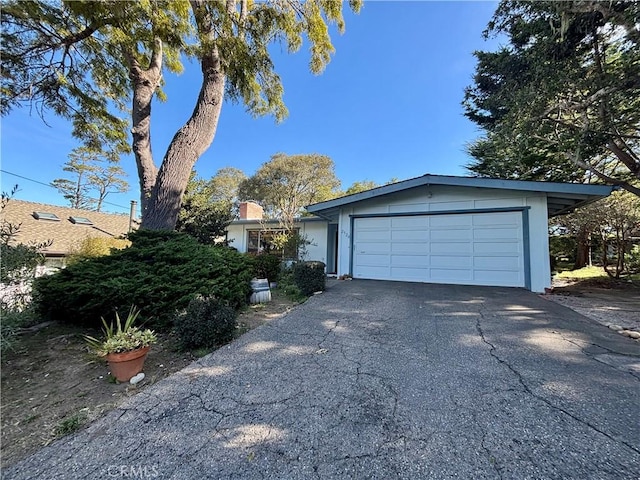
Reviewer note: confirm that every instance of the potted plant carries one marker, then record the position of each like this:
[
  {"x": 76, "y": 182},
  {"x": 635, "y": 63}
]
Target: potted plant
[{"x": 125, "y": 346}]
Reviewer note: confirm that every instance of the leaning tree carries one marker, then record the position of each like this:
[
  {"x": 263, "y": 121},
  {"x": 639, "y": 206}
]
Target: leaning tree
[{"x": 89, "y": 61}]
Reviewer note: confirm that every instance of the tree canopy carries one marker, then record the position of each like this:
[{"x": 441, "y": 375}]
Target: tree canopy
[
  {"x": 360, "y": 186},
  {"x": 561, "y": 100},
  {"x": 92, "y": 61},
  {"x": 209, "y": 206},
  {"x": 91, "y": 180},
  {"x": 284, "y": 185}
]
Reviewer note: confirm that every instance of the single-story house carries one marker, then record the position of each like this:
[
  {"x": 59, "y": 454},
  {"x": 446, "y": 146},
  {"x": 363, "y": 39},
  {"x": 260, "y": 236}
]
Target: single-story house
[
  {"x": 61, "y": 229},
  {"x": 252, "y": 233},
  {"x": 436, "y": 229}
]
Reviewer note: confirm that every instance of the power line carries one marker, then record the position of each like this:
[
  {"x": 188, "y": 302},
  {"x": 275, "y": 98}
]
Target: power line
[{"x": 51, "y": 186}]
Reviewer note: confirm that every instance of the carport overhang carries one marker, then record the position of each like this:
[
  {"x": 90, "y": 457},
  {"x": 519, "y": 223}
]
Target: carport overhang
[{"x": 562, "y": 198}]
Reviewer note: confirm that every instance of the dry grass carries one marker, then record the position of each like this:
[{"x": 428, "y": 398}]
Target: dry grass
[{"x": 583, "y": 273}]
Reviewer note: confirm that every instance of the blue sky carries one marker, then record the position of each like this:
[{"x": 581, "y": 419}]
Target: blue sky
[{"x": 387, "y": 106}]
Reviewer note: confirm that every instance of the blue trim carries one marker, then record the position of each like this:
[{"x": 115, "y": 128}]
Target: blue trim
[
  {"x": 351, "y": 235},
  {"x": 441, "y": 212},
  {"x": 526, "y": 246},
  {"x": 332, "y": 260}
]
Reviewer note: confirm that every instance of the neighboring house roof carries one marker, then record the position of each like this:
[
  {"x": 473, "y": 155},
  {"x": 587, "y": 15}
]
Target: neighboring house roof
[
  {"x": 561, "y": 197},
  {"x": 66, "y": 233}
]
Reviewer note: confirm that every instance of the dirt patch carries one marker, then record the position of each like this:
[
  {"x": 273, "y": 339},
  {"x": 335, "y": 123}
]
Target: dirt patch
[
  {"x": 606, "y": 301},
  {"x": 579, "y": 286},
  {"x": 52, "y": 385}
]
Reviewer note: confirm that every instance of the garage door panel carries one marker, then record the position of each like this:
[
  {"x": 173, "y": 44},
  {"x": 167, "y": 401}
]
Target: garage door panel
[
  {"x": 420, "y": 261},
  {"x": 408, "y": 274},
  {"x": 374, "y": 223},
  {"x": 508, "y": 218},
  {"x": 452, "y": 235},
  {"x": 373, "y": 247},
  {"x": 451, "y": 247},
  {"x": 450, "y": 221},
  {"x": 409, "y": 235},
  {"x": 450, "y": 261},
  {"x": 374, "y": 273},
  {"x": 450, "y": 275},
  {"x": 498, "y": 248},
  {"x": 497, "y": 263},
  {"x": 494, "y": 234},
  {"x": 410, "y": 222},
  {"x": 372, "y": 260},
  {"x": 373, "y": 235},
  {"x": 492, "y": 277},
  {"x": 411, "y": 248},
  {"x": 473, "y": 249}
]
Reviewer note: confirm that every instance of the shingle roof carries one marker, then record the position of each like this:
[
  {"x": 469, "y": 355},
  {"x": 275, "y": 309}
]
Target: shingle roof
[{"x": 65, "y": 235}]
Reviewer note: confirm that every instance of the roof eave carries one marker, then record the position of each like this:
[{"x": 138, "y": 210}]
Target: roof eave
[{"x": 588, "y": 192}]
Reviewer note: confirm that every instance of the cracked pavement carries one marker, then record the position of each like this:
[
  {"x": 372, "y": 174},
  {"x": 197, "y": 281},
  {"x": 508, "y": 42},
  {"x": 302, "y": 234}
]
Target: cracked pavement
[{"x": 377, "y": 380}]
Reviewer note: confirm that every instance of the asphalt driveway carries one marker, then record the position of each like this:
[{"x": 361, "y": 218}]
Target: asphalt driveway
[{"x": 383, "y": 380}]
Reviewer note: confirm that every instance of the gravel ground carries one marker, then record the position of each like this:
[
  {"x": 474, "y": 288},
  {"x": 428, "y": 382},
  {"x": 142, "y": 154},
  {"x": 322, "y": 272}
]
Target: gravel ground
[{"x": 607, "y": 307}]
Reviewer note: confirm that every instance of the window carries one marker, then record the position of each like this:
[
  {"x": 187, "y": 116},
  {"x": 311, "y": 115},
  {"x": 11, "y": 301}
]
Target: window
[
  {"x": 262, "y": 241},
  {"x": 46, "y": 216},
  {"x": 80, "y": 220}
]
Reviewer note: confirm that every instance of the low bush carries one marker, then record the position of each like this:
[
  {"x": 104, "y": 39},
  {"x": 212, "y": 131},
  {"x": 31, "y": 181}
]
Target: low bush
[
  {"x": 267, "y": 265},
  {"x": 160, "y": 273},
  {"x": 12, "y": 321},
  {"x": 633, "y": 259},
  {"x": 309, "y": 277},
  {"x": 288, "y": 286},
  {"x": 205, "y": 323}
]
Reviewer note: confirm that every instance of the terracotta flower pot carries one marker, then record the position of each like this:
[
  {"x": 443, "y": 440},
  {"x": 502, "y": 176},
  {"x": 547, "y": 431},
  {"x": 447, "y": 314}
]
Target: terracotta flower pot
[{"x": 126, "y": 365}]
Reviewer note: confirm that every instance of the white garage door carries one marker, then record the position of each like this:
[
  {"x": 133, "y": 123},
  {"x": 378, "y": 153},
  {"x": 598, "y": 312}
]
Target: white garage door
[{"x": 467, "y": 249}]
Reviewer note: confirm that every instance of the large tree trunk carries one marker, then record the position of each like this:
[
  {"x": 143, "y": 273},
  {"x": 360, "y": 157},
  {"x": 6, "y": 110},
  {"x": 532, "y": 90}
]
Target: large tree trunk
[
  {"x": 192, "y": 140},
  {"x": 145, "y": 83}
]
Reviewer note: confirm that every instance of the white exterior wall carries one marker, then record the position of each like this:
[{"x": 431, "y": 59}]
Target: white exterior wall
[
  {"x": 316, "y": 233},
  {"x": 439, "y": 198},
  {"x": 237, "y": 237},
  {"x": 539, "y": 243}
]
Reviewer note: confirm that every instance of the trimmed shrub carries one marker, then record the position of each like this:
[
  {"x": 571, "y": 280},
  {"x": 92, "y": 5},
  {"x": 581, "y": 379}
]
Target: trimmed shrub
[
  {"x": 205, "y": 323},
  {"x": 160, "y": 273},
  {"x": 309, "y": 277},
  {"x": 267, "y": 265}
]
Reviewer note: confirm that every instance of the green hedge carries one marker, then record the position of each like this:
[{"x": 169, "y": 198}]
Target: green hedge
[
  {"x": 205, "y": 323},
  {"x": 267, "y": 265},
  {"x": 160, "y": 273},
  {"x": 309, "y": 277}
]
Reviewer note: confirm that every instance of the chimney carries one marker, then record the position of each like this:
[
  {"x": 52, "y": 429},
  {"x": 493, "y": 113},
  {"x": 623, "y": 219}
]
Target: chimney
[
  {"x": 132, "y": 215},
  {"x": 250, "y": 211}
]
